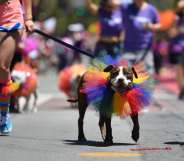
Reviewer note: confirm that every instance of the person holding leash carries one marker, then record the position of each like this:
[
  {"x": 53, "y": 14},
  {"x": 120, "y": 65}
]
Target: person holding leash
[
  {"x": 141, "y": 20},
  {"x": 111, "y": 27},
  {"x": 15, "y": 16}
]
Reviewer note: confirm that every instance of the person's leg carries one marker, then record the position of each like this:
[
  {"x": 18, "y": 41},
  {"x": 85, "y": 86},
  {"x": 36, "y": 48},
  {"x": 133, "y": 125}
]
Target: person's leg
[
  {"x": 149, "y": 68},
  {"x": 180, "y": 79},
  {"x": 7, "y": 48},
  {"x": 148, "y": 61},
  {"x": 178, "y": 69},
  {"x": 157, "y": 62},
  {"x": 100, "y": 50},
  {"x": 114, "y": 50},
  {"x": 129, "y": 58}
]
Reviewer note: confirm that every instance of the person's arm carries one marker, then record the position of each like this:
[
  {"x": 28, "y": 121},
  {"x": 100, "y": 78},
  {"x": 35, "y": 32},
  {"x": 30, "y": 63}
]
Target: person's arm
[
  {"x": 93, "y": 8},
  {"x": 180, "y": 6},
  {"x": 27, "y": 5},
  {"x": 154, "y": 24},
  {"x": 153, "y": 27}
]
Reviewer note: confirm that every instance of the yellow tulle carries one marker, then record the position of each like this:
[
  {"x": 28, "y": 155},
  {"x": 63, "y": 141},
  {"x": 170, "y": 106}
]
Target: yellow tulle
[{"x": 140, "y": 79}]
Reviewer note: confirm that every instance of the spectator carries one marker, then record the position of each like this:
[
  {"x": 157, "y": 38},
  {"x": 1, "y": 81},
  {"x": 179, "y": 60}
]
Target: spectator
[
  {"x": 176, "y": 55},
  {"x": 140, "y": 21},
  {"x": 77, "y": 34},
  {"x": 111, "y": 27}
]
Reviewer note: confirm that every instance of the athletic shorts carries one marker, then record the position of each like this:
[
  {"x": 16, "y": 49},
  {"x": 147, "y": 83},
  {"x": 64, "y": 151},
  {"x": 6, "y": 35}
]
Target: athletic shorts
[{"x": 11, "y": 15}]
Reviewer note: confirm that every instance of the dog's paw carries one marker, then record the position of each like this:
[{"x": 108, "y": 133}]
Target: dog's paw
[
  {"x": 82, "y": 139},
  {"x": 108, "y": 142},
  {"x": 135, "y": 134}
]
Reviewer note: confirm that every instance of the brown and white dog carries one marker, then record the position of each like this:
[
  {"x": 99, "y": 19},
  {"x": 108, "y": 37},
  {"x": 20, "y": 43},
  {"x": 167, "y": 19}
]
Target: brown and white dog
[
  {"x": 120, "y": 79},
  {"x": 27, "y": 77}
]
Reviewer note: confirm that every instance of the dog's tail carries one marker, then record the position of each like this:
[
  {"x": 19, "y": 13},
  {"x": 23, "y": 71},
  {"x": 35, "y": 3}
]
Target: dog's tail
[{"x": 72, "y": 100}]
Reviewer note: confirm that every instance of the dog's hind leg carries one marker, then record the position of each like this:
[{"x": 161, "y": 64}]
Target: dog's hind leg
[
  {"x": 82, "y": 105},
  {"x": 135, "y": 131},
  {"x": 35, "y": 94},
  {"x": 26, "y": 105}
]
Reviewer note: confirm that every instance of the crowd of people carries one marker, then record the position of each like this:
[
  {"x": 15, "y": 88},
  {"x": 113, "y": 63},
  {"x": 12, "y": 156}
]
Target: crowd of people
[{"x": 128, "y": 31}]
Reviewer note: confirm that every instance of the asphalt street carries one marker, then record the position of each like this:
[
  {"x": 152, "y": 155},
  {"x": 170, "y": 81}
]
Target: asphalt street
[{"x": 51, "y": 133}]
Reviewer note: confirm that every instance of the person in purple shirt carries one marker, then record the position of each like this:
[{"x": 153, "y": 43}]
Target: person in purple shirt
[
  {"x": 140, "y": 21},
  {"x": 111, "y": 27},
  {"x": 176, "y": 55}
]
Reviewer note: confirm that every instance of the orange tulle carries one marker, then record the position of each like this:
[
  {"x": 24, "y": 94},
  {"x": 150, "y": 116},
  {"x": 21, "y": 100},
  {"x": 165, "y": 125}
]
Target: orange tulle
[{"x": 67, "y": 75}]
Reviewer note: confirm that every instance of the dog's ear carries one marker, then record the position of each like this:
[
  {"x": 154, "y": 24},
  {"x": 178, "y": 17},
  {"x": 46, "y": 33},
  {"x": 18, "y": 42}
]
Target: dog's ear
[
  {"x": 108, "y": 68},
  {"x": 134, "y": 72}
]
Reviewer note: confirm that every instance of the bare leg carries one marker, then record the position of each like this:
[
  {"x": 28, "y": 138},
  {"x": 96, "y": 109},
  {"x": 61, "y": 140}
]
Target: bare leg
[
  {"x": 179, "y": 76},
  {"x": 180, "y": 79},
  {"x": 8, "y": 42}
]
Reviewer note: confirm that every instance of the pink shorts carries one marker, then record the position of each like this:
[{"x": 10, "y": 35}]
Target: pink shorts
[{"x": 11, "y": 14}]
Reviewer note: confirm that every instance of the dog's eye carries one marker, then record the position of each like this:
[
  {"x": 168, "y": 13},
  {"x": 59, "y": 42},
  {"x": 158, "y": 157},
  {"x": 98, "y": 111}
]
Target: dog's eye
[
  {"x": 129, "y": 76},
  {"x": 115, "y": 73},
  {"x": 126, "y": 72}
]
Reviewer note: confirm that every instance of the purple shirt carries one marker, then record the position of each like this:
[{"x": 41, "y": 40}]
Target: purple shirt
[
  {"x": 111, "y": 22},
  {"x": 177, "y": 44},
  {"x": 136, "y": 37}
]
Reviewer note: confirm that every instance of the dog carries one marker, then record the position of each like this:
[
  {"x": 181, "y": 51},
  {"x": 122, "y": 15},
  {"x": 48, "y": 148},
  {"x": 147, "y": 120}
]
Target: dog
[
  {"x": 120, "y": 79},
  {"x": 27, "y": 77}
]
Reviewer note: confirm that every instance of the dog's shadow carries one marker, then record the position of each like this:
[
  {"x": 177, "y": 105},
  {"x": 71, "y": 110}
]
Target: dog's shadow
[
  {"x": 175, "y": 143},
  {"x": 94, "y": 143}
]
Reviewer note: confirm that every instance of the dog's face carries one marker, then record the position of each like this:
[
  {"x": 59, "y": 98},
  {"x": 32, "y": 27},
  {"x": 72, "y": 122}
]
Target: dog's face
[
  {"x": 19, "y": 76},
  {"x": 120, "y": 77}
]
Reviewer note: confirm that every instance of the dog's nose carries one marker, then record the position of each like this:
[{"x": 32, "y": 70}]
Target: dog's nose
[{"x": 120, "y": 80}]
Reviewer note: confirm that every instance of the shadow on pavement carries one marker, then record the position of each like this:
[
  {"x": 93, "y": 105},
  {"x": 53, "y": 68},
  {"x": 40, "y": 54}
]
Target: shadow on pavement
[
  {"x": 94, "y": 143},
  {"x": 174, "y": 143}
]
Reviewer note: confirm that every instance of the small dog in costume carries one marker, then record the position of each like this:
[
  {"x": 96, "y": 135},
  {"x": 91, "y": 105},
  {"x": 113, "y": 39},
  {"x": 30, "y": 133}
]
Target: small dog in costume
[
  {"x": 111, "y": 91},
  {"x": 22, "y": 72}
]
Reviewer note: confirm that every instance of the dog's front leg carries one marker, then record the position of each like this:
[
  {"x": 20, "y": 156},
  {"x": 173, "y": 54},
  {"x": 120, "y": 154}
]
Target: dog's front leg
[
  {"x": 135, "y": 131},
  {"x": 102, "y": 126},
  {"x": 108, "y": 138}
]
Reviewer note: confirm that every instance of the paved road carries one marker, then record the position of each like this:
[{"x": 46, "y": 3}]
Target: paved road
[{"x": 51, "y": 133}]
